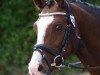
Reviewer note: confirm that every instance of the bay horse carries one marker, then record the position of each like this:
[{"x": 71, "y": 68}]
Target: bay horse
[{"x": 65, "y": 27}]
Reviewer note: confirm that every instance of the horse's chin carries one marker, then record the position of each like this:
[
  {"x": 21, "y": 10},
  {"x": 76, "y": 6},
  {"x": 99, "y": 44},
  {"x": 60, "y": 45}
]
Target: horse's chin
[{"x": 45, "y": 69}]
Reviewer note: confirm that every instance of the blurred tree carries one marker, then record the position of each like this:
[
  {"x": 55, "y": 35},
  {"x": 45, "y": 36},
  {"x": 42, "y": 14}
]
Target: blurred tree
[{"x": 16, "y": 33}]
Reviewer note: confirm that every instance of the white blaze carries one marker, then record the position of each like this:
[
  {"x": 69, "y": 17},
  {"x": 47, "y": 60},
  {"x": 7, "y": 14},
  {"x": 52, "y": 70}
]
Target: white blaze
[{"x": 42, "y": 25}]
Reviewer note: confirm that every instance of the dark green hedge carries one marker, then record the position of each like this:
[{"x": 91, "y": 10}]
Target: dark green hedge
[{"x": 16, "y": 33}]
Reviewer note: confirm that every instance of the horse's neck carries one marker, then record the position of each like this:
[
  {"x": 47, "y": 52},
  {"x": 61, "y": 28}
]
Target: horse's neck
[
  {"x": 88, "y": 27},
  {"x": 91, "y": 62}
]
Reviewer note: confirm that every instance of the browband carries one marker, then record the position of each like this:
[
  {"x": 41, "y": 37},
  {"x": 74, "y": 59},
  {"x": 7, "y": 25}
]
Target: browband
[{"x": 53, "y": 14}]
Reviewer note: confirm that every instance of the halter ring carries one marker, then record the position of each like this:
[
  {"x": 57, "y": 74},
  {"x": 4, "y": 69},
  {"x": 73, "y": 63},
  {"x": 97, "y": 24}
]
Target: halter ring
[{"x": 55, "y": 63}]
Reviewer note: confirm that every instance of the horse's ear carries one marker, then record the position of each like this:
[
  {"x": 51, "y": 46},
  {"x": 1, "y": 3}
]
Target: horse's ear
[{"x": 39, "y": 4}]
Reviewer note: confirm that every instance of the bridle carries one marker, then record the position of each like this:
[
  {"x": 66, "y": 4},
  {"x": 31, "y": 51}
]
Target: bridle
[{"x": 58, "y": 56}]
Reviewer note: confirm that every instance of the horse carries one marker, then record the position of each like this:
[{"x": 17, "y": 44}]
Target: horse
[{"x": 65, "y": 27}]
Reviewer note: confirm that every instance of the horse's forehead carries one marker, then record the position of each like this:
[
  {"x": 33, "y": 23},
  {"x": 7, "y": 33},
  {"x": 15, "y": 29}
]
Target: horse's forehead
[
  {"x": 42, "y": 25},
  {"x": 44, "y": 21}
]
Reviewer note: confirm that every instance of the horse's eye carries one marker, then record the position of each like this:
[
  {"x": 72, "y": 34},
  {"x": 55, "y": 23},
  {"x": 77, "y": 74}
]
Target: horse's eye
[{"x": 59, "y": 27}]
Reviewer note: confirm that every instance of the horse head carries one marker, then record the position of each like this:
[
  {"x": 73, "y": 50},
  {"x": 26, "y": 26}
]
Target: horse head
[{"x": 55, "y": 36}]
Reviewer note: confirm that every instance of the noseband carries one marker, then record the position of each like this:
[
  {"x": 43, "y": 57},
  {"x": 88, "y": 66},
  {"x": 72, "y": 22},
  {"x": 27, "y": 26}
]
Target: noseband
[{"x": 58, "y": 56}]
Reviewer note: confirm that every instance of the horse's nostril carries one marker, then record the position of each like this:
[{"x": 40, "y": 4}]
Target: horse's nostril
[
  {"x": 40, "y": 68},
  {"x": 33, "y": 74}
]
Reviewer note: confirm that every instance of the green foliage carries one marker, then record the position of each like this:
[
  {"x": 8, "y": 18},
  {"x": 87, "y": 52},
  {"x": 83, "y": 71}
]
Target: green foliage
[
  {"x": 16, "y": 33},
  {"x": 17, "y": 36}
]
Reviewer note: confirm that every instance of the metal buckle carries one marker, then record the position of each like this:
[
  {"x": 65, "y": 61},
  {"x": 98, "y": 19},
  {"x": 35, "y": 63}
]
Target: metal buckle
[{"x": 59, "y": 64}]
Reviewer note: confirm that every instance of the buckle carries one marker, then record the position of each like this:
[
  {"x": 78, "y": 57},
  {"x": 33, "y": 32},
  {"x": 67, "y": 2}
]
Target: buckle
[{"x": 58, "y": 62}]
